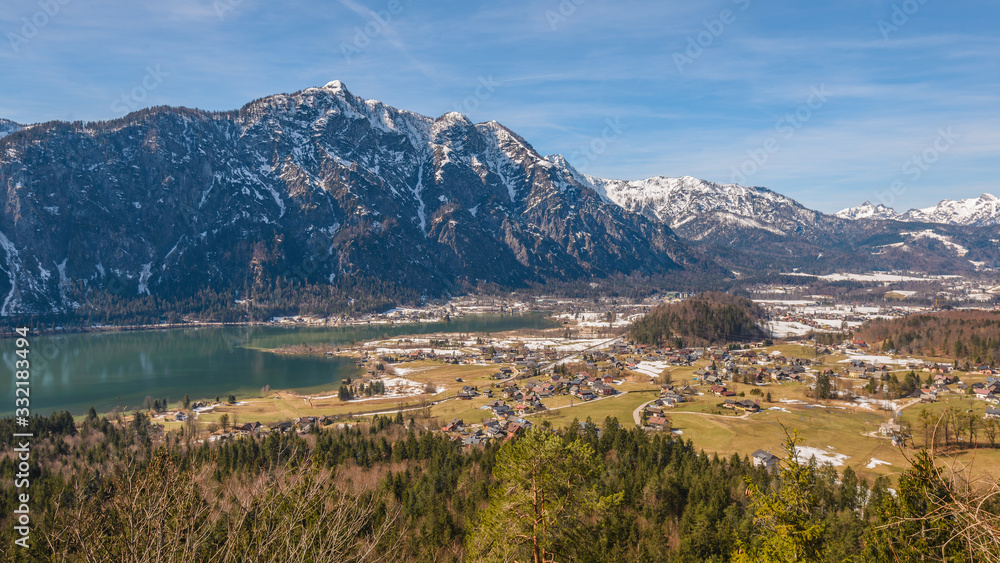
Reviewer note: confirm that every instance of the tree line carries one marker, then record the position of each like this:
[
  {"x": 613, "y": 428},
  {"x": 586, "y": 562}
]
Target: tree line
[
  {"x": 386, "y": 490},
  {"x": 972, "y": 337}
]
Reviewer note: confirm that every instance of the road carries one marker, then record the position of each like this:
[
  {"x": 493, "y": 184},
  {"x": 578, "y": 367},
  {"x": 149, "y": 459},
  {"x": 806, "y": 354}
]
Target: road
[
  {"x": 637, "y": 414},
  {"x": 575, "y": 354},
  {"x": 580, "y": 403}
]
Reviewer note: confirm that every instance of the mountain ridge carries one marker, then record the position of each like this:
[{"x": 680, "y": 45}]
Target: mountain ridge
[
  {"x": 165, "y": 201},
  {"x": 983, "y": 211}
]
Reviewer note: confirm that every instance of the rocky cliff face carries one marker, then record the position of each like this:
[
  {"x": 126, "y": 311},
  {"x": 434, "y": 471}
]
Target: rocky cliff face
[{"x": 315, "y": 185}]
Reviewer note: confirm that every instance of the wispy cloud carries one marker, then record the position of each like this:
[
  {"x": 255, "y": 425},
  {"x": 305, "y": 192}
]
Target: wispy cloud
[{"x": 558, "y": 83}]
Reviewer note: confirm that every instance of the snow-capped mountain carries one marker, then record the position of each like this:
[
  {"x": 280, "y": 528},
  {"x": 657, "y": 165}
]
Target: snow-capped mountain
[
  {"x": 867, "y": 210},
  {"x": 980, "y": 212},
  {"x": 317, "y": 187},
  {"x": 696, "y": 208},
  {"x": 983, "y": 211},
  {"x": 753, "y": 228},
  {"x": 7, "y": 127}
]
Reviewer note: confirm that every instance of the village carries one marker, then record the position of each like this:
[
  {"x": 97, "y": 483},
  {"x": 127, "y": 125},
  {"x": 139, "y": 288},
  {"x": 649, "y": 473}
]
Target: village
[{"x": 477, "y": 388}]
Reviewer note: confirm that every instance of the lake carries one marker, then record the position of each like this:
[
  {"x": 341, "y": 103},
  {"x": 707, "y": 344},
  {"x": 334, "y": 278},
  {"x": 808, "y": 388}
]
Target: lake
[{"x": 76, "y": 371}]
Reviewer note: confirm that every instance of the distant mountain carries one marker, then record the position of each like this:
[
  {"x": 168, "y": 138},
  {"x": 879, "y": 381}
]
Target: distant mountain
[
  {"x": 324, "y": 188},
  {"x": 697, "y": 209},
  {"x": 753, "y": 229},
  {"x": 868, "y": 211},
  {"x": 983, "y": 211},
  {"x": 318, "y": 186},
  {"x": 7, "y": 127}
]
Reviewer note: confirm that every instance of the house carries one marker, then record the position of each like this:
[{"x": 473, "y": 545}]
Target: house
[
  {"x": 890, "y": 428},
  {"x": 603, "y": 390},
  {"x": 992, "y": 412},
  {"x": 249, "y": 428},
  {"x": 657, "y": 422},
  {"x": 764, "y": 459},
  {"x": 747, "y": 405},
  {"x": 281, "y": 426},
  {"x": 455, "y": 425}
]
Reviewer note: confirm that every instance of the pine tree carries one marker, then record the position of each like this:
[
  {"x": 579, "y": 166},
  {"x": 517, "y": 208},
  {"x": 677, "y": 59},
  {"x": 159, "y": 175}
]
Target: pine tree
[
  {"x": 784, "y": 525},
  {"x": 546, "y": 488}
]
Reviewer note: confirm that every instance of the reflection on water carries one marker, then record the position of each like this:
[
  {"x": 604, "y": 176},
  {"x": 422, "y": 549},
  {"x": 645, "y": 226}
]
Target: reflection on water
[{"x": 78, "y": 371}]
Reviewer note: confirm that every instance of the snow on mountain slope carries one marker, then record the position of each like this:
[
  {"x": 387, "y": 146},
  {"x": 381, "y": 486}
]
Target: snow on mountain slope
[
  {"x": 8, "y": 127},
  {"x": 976, "y": 212},
  {"x": 695, "y": 207},
  {"x": 318, "y": 186},
  {"x": 868, "y": 211},
  {"x": 982, "y": 211}
]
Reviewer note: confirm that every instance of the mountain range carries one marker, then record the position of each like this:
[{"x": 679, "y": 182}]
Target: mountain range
[
  {"x": 983, "y": 211},
  {"x": 324, "y": 187},
  {"x": 753, "y": 229}
]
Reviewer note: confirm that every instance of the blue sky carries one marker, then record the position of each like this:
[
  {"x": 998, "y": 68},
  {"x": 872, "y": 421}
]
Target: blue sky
[{"x": 831, "y": 103}]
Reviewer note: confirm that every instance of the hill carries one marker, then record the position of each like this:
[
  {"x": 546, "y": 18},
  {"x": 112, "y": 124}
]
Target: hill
[{"x": 707, "y": 318}]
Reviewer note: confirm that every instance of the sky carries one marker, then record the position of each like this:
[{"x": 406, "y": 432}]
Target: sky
[{"x": 830, "y": 103}]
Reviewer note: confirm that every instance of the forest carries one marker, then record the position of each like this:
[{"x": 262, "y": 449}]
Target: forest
[
  {"x": 972, "y": 337},
  {"x": 386, "y": 490},
  {"x": 707, "y": 318}
]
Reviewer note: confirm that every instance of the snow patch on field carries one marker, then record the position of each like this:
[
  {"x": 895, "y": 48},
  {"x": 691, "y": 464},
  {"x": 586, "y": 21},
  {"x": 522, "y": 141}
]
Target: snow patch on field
[
  {"x": 652, "y": 369},
  {"x": 872, "y": 404},
  {"x": 594, "y": 319},
  {"x": 784, "y": 329},
  {"x": 823, "y": 457},
  {"x": 407, "y": 371},
  {"x": 876, "y": 462},
  {"x": 878, "y": 359},
  {"x": 395, "y": 387}
]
